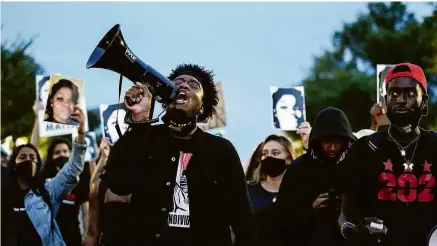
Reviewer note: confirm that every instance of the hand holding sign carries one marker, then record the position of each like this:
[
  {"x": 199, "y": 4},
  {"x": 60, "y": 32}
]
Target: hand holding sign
[
  {"x": 79, "y": 117},
  {"x": 304, "y": 131},
  {"x": 378, "y": 112},
  {"x": 37, "y": 106}
]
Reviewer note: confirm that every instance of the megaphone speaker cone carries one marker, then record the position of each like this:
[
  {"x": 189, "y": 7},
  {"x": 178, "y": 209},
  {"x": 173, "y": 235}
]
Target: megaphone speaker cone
[{"x": 103, "y": 45}]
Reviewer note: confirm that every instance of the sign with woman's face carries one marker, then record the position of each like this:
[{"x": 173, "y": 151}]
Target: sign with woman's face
[
  {"x": 43, "y": 88},
  {"x": 288, "y": 107},
  {"x": 59, "y": 94},
  {"x": 109, "y": 115},
  {"x": 64, "y": 97}
]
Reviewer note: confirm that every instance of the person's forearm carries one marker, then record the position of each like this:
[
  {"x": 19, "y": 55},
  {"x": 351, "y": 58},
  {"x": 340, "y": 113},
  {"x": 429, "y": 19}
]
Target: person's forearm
[
  {"x": 89, "y": 240},
  {"x": 93, "y": 229},
  {"x": 92, "y": 167},
  {"x": 99, "y": 169},
  {"x": 34, "y": 138},
  {"x": 85, "y": 215},
  {"x": 80, "y": 139},
  {"x": 374, "y": 125}
]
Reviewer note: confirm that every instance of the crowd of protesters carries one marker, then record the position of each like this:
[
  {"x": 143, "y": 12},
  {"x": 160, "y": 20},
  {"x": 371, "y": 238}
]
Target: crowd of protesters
[{"x": 174, "y": 184}]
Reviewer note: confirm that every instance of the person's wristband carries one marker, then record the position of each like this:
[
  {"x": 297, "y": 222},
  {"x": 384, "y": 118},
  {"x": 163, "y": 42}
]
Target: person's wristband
[
  {"x": 346, "y": 225},
  {"x": 128, "y": 119}
]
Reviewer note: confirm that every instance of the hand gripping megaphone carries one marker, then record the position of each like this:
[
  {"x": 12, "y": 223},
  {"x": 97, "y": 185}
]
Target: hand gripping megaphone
[{"x": 112, "y": 53}]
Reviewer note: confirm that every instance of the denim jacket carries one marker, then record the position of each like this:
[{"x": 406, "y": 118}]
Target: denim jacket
[{"x": 58, "y": 188}]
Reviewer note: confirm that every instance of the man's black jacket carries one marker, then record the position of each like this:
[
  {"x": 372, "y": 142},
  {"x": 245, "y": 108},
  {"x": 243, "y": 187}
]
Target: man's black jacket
[
  {"x": 144, "y": 162},
  {"x": 309, "y": 176}
]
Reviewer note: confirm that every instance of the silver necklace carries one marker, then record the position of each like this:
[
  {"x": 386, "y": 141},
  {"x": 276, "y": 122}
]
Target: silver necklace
[
  {"x": 400, "y": 147},
  {"x": 408, "y": 166}
]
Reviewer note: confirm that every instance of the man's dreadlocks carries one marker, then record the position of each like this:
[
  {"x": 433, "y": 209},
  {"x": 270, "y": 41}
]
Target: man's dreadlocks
[{"x": 206, "y": 78}]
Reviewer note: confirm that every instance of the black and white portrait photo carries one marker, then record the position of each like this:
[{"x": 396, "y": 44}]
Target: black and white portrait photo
[
  {"x": 91, "y": 143},
  {"x": 43, "y": 88},
  {"x": 381, "y": 71},
  {"x": 108, "y": 116},
  {"x": 288, "y": 107}
]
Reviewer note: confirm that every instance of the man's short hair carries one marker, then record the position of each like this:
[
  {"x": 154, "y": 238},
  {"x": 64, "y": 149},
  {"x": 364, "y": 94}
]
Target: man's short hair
[{"x": 206, "y": 78}]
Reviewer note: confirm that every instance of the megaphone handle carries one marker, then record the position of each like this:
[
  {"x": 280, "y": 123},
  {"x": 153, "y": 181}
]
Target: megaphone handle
[
  {"x": 152, "y": 108},
  {"x": 117, "y": 127}
]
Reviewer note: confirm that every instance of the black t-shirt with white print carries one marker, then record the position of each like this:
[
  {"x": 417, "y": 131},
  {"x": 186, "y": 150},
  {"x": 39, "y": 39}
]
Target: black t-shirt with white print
[
  {"x": 25, "y": 230},
  {"x": 400, "y": 191},
  {"x": 179, "y": 214}
]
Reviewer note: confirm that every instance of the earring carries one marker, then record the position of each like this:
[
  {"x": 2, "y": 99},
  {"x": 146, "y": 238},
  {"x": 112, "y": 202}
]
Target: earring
[{"x": 201, "y": 110}]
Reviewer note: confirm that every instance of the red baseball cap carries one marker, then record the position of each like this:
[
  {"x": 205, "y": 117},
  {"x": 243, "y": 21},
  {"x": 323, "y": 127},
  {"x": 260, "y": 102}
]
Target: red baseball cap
[{"x": 415, "y": 73}]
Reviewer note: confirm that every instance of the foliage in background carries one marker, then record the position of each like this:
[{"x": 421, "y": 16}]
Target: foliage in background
[
  {"x": 345, "y": 77},
  {"x": 18, "y": 71}
]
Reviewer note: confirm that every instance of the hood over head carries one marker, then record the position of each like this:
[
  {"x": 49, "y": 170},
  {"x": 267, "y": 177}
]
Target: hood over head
[{"x": 330, "y": 122}]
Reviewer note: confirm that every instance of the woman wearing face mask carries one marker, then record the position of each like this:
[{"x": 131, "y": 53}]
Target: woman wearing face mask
[
  {"x": 29, "y": 202},
  {"x": 276, "y": 155},
  {"x": 58, "y": 153}
]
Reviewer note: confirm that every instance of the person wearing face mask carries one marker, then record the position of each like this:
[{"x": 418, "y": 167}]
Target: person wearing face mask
[
  {"x": 390, "y": 193},
  {"x": 308, "y": 204},
  {"x": 58, "y": 154},
  {"x": 30, "y": 202},
  {"x": 276, "y": 156}
]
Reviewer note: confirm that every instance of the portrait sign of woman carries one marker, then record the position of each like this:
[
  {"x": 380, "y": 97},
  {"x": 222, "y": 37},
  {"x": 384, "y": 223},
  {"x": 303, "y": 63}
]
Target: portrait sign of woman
[
  {"x": 109, "y": 120},
  {"x": 62, "y": 103},
  {"x": 288, "y": 107},
  {"x": 382, "y": 70},
  {"x": 380, "y": 80},
  {"x": 43, "y": 83}
]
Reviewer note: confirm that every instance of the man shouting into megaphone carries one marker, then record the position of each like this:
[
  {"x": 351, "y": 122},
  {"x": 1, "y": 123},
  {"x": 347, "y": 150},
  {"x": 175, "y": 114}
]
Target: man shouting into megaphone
[{"x": 181, "y": 186}]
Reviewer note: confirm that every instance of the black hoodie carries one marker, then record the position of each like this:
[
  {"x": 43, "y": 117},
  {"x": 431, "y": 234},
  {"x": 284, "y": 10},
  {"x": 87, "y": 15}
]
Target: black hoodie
[{"x": 308, "y": 177}]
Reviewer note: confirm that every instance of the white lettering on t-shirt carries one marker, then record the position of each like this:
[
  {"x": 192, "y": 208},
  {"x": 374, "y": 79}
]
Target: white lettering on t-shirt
[{"x": 179, "y": 216}]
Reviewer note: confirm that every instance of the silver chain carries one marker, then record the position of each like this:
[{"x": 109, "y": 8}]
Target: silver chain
[
  {"x": 403, "y": 148},
  {"x": 398, "y": 144}
]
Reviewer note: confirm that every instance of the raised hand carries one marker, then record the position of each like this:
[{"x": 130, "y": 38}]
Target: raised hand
[{"x": 304, "y": 131}]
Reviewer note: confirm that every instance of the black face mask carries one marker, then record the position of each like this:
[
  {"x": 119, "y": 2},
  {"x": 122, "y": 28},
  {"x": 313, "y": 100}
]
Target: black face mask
[
  {"x": 273, "y": 167},
  {"x": 60, "y": 161},
  {"x": 24, "y": 171},
  {"x": 405, "y": 122}
]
